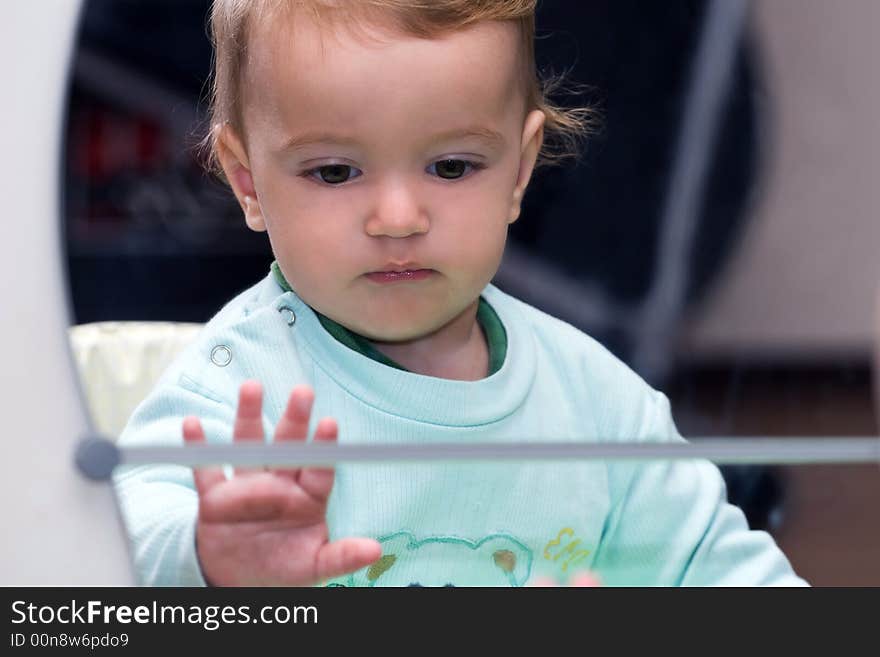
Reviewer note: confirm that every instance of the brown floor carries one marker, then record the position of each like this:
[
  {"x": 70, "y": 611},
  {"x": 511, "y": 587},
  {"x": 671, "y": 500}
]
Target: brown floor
[{"x": 830, "y": 524}]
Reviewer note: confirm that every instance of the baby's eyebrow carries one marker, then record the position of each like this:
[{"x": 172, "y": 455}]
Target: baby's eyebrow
[
  {"x": 490, "y": 137},
  {"x": 309, "y": 138}
]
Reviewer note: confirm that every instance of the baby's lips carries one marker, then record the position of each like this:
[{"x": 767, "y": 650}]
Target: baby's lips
[{"x": 409, "y": 265}]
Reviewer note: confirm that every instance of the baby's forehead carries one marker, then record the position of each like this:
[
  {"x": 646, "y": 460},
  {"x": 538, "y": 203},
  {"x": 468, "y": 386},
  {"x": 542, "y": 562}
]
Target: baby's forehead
[{"x": 299, "y": 59}]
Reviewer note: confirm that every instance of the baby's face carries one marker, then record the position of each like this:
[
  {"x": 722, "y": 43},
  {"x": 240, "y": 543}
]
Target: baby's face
[{"x": 363, "y": 157}]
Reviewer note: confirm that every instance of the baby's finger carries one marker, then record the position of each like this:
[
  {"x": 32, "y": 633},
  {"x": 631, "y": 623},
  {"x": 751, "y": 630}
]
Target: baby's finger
[
  {"x": 581, "y": 580},
  {"x": 249, "y": 416},
  {"x": 205, "y": 478},
  {"x": 585, "y": 580},
  {"x": 346, "y": 556},
  {"x": 318, "y": 482},
  {"x": 294, "y": 424}
]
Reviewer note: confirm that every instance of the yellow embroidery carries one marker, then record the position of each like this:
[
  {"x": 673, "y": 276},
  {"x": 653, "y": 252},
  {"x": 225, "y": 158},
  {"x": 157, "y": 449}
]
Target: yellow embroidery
[
  {"x": 567, "y": 531},
  {"x": 570, "y": 549},
  {"x": 384, "y": 563}
]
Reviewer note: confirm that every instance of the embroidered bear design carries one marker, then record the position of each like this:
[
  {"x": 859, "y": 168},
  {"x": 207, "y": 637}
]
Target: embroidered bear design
[{"x": 494, "y": 560}]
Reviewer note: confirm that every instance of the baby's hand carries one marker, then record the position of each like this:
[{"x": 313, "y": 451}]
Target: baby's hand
[{"x": 268, "y": 527}]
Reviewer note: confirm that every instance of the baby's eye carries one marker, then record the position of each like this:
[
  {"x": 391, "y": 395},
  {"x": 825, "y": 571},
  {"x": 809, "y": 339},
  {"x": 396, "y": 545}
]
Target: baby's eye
[
  {"x": 452, "y": 169},
  {"x": 334, "y": 174}
]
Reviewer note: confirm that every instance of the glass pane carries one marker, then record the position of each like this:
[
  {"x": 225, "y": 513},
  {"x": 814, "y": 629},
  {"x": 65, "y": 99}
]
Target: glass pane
[{"x": 751, "y": 316}]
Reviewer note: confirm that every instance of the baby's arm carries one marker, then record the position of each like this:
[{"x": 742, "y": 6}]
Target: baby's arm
[
  {"x": 159, "y": 503},
  {"x": 671, "y": 525},
  {"x": 260, "y": 527}
]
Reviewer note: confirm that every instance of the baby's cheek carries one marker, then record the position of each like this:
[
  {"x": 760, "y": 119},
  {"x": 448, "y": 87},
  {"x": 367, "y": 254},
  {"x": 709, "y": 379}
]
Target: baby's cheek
[{"x": 480, "y": 256}]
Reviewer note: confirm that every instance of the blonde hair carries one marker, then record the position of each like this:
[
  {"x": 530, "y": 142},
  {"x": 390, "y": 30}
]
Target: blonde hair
[{"x": 231, "y": 22}]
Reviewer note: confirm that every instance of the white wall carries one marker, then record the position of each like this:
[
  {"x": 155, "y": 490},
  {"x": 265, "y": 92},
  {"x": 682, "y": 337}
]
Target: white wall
[{"x": 58, "y": 528}]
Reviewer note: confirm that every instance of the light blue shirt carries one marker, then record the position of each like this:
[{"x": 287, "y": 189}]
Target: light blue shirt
[{"x": 478, "y": 523}]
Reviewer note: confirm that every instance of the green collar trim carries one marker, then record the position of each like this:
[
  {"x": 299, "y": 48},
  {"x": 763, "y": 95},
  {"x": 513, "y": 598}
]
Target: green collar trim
[
  {"x": 487, "y": 318},
  {"x": 496, "y": 336}
]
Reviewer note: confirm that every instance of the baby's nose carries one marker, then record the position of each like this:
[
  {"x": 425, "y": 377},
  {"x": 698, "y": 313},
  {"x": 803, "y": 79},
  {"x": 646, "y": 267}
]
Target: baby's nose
[{"x": 397, "y": 213}]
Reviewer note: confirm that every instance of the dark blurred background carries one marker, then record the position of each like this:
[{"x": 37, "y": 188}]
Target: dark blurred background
[
  {"x": 151, "y": 236},
  {"x": 141, "y": 205}
]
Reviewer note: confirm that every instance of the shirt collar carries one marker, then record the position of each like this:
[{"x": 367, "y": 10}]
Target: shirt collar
[{"x": 487, "y": 318}]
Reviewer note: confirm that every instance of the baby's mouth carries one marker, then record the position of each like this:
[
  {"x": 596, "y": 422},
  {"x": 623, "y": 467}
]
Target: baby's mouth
[{"x": 399, "y": 276}]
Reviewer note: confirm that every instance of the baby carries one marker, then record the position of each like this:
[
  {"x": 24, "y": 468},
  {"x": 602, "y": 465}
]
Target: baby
[{"x": 385, "y": 147}]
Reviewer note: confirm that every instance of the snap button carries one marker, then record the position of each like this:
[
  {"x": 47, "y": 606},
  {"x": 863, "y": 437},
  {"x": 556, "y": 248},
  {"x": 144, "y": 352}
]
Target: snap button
[
  {"x": 221, "y": 355},
  {"x": 288, "y": 314}
]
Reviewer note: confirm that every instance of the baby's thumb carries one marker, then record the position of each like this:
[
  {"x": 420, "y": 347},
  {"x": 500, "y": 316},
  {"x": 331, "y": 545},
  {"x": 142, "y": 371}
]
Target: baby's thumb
[{"x": 346, "y": 556}]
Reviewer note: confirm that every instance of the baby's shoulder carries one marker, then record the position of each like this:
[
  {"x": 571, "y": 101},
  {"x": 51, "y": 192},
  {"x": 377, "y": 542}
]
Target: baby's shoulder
[
  {"x": 233, "y": 342},
  {"x": 585, "y": 373},
  {"x": 559, "y": 342}
]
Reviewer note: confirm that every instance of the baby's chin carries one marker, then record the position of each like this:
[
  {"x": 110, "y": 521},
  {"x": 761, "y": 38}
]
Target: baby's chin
[
  {"x": 397, "y": 332},
  {"x": 401, "y": 325}
]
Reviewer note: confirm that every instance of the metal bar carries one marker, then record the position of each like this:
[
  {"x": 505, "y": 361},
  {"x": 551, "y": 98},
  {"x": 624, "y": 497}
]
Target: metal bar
[{"x": 788, "y": 451}]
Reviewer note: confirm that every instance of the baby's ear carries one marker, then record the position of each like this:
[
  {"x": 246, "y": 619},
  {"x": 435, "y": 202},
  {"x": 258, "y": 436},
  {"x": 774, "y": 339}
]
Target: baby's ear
[
  {"x": 532, "y": 141},
  {"x": 236, "y": 165}
]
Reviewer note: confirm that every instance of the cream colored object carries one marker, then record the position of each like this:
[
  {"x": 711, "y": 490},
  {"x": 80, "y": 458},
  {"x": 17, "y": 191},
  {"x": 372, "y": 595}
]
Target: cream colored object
[{"x": 119, "y": 362}]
